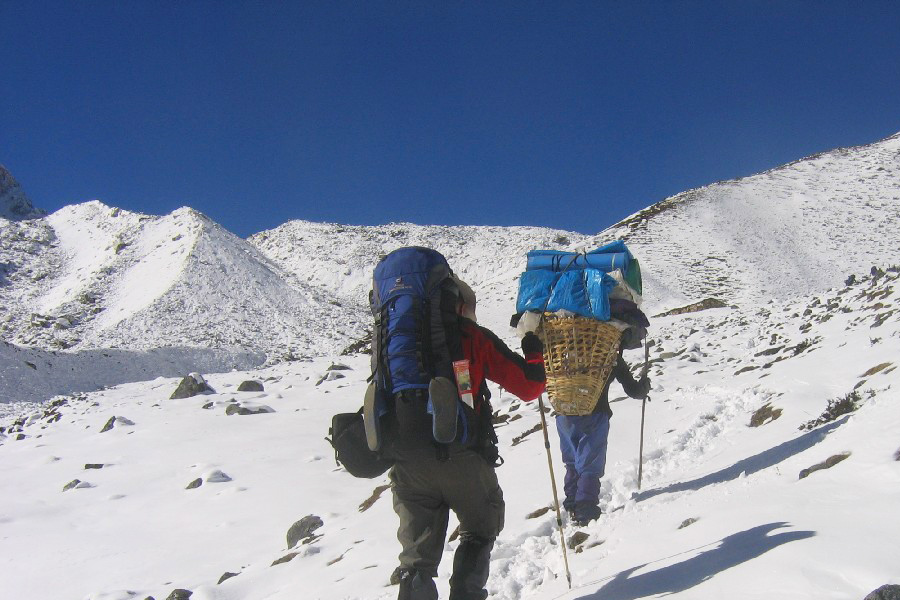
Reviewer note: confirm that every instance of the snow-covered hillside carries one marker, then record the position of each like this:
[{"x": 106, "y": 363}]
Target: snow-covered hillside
[
  {"x": 339, "y": 259},
  {"x": 744, "y": 494},
  {"x": 91, "y": 277},
  {"x": 797, "y": 229}
]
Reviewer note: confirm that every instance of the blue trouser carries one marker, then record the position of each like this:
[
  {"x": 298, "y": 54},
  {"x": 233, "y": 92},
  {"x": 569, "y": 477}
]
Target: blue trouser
[{"x": 583, "y": 443}]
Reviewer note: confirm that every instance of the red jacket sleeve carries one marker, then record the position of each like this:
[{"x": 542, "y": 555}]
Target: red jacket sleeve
[{"x": 523, "y": 377}]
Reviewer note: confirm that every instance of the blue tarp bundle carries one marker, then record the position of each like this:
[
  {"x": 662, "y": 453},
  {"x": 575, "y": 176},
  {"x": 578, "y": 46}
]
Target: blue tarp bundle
[
  {"x": 579, "y": 283},
  {"x": 605, "y": 258}
]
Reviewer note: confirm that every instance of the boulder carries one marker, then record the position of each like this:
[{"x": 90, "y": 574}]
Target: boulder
[
  {"x": 225, "y": 576},
  {"x": 194, "y": 484},
  {"x": 251, "y": 386},
  {"x": 191, "y": 385},
  {"x": 885, "y": 592},
  {"x": 114, "y": 421},
  {"x": 180, "y": 594},
  {"x": 241, "y": 409},
  {"x": 303, "y": 529}
]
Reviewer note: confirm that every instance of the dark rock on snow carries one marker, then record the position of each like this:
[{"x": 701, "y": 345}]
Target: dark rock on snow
[
  {"x": 285, "y": 558},
  {"x": 578, "y": 538},
  {"x": 180, "y": 594},
  {"x": 827, "y": 464},
  {"x": 71, "y": 485},
  {"x": 885, "y": 592},
  {"x": 93, "y": 466},
  {"x": 227, "y": 575},
  {"x": 764, "y": 415},
  {"x": 238, "y": 409},
  {"x": 191, "y": 385},
  {"x": 113, "y": 421},
  {"x": 303, "y": 529},
  {"x": 194, "y": 484},
  {"x": 251, "y": 386}
]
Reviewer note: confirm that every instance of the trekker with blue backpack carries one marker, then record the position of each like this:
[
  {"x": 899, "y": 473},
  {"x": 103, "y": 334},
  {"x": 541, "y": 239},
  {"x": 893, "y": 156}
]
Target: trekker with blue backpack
[{"x": 428, "y": 411}]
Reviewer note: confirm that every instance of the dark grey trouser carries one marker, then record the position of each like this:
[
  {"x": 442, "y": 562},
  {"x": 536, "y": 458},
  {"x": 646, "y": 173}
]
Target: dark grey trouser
[{"x": 425, "y": 490}]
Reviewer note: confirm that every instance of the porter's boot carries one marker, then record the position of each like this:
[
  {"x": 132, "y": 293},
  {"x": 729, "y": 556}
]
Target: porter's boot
[
  {"x": 415, "y": 585},
  {"x": 471, "y": 564}
]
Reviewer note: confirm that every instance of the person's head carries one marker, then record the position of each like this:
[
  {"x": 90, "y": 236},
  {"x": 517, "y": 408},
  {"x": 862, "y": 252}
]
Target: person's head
[{"x": 466, "y": 302}]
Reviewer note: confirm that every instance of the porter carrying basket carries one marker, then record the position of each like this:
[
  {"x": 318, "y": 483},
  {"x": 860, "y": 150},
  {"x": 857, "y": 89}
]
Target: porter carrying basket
[{"x": 579, "y": 355}]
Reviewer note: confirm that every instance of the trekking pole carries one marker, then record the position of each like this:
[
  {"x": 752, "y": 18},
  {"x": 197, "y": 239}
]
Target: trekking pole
[
  {"x": 562, "y": 537},
  {"x": 647, "y": 344},
  {"x": 559, "y": 525}
]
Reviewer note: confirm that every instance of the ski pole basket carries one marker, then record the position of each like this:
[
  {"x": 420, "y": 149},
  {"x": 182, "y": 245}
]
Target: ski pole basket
[{"x": 579, "y": 354}]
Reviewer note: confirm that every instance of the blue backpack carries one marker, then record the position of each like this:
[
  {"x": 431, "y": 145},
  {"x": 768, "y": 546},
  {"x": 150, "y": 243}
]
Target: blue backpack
[{"x": 413, "y": 398}]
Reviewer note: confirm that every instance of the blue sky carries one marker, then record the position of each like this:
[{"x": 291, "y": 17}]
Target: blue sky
[{"x": 561, "y": 114}]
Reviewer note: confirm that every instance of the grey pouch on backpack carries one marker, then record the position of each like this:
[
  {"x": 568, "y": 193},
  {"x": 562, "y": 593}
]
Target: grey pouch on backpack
[
  {"x": 444, "y": 399},
  {"x": 370, "y": 419}
]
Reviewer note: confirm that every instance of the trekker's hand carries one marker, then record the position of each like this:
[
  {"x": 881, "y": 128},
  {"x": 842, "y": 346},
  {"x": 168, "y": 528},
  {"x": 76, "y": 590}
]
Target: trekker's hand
[
  {"x": 644, "y": 387},
  {"x": 532, "y": 344}
]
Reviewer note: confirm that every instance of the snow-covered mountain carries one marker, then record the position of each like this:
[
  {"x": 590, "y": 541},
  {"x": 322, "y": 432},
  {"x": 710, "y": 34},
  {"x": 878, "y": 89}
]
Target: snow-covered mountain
[
  {"x": 771, "y": 465},
  {"x": 91, "y": 277},
  {"x": 14, "y": 204},
  {"x": 797, "y": 229}
]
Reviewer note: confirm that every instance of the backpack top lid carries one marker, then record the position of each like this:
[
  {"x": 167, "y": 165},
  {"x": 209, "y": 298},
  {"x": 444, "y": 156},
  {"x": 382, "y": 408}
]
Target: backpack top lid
[{"x": 410, "y": 270}]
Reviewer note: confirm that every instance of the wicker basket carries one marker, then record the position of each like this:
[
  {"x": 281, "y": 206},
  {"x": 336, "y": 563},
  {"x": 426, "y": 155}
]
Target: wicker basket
[{"x": 579, "y": 354}]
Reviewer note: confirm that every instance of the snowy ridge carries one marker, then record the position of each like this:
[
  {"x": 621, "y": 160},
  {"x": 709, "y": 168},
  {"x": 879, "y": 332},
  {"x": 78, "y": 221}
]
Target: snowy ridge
[
  {"x": 792, "y": 230},
  {"x": 339, "y": 259}
]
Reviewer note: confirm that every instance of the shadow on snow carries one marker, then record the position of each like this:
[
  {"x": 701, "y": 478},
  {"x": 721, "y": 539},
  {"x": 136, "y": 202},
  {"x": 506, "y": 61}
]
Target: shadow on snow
[
  {"x": 730, "y": 552},
  {"x": 753, "y": 464}
]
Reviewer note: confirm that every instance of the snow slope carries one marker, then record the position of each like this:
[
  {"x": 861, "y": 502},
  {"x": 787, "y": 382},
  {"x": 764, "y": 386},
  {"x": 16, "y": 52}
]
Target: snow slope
[
  {"x": 796, "y": 229},
  {"x": 722, "y": 510},
  {"x": 92, "y": 277}
]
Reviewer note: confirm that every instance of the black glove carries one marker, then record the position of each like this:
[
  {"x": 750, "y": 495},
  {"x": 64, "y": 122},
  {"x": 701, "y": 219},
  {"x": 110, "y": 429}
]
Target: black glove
[
  {"x": 644, "y": 387},
  {"x": 532, "y": 343}
]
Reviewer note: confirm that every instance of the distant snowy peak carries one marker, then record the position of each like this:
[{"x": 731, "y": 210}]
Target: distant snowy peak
[
  {"x": 93, "y": 276},
  {"x": 14, "y": 204}
]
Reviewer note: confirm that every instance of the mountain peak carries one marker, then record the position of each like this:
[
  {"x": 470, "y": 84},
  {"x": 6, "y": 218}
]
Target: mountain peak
[{"x": 14, "y": 204}]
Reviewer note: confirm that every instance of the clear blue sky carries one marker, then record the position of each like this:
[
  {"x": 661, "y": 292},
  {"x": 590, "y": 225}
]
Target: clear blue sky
[{"x": 560, "y": 114}]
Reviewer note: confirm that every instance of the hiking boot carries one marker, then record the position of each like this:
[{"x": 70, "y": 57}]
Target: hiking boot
[
  {"x": 582, "y": 515},
  {"x": 416, "y": 586},
  {"x": 443, "y": 400}
]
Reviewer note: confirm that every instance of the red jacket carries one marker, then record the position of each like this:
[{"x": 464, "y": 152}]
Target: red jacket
[{"x": 489, "y": 358}]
